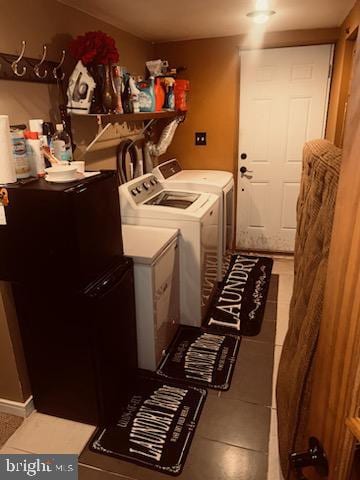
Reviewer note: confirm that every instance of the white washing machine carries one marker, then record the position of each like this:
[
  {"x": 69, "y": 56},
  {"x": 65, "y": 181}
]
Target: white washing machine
[
  {"x": 146, "y": 201},
  {"x": 213, "y": 181}
]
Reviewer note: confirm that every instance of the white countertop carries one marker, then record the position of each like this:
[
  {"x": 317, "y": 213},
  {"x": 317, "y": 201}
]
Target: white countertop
[{"x": 144, "y": 244}]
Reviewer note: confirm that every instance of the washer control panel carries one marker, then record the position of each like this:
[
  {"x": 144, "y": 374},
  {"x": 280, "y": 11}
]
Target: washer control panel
[{"x": 144, "y": 189}]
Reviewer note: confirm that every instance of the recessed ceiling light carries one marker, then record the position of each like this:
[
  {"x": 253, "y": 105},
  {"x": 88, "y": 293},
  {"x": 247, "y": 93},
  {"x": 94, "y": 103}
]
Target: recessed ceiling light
[{"x": 260, "y": 16}]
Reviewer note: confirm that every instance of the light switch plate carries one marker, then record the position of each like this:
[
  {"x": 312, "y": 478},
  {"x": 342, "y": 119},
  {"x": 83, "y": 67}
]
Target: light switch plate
[{"x": 200, "y": 138}]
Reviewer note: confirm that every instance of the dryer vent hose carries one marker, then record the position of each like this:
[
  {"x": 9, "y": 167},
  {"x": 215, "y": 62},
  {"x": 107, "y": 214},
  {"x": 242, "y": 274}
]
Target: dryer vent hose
[{"x": 165, "y": 139}]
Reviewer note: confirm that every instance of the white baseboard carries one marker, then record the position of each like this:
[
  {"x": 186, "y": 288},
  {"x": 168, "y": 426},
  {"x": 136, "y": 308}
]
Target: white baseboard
[{"x": 17, "y": 408}]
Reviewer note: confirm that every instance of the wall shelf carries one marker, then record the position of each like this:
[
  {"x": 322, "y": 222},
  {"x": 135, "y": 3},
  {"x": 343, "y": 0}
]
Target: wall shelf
[
  {"x": 131, "y": 117},
  {"x": 107, "y": 122}
]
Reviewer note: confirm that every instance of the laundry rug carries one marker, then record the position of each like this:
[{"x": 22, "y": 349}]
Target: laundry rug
[
  {"x": 239, "y": 304},
  {"x": 155, "y": 426},
  {"x": 201, "y": 358}
]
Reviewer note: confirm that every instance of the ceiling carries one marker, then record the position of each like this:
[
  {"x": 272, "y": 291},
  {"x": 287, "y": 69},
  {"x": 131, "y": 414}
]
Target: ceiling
[{"x": 169, "y": 20}]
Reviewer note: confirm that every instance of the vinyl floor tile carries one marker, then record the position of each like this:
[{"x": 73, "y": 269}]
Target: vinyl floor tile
[
  {"x": 12, "y": 451},
  {"x": 267, "y": 333},
  {"x": 236, "y": 423},
  {"x": 252, "y": 378},
  {"x": 273, "y": 288},
  {"x": 90, "y": 473},
  {"x": 286, "y": 286},
  {"x": 277, "y": 355},
  {"x": 282, "y": 323},
  {"x": 270, "y": 311},
  {"x": 283, "y": 266},
  {"x": 207, "y": 460},
  {"x": 46, "y": 434}
]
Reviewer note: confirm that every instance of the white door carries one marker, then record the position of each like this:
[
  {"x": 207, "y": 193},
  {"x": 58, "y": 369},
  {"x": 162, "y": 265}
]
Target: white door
[{"x": 283, "y": 103}]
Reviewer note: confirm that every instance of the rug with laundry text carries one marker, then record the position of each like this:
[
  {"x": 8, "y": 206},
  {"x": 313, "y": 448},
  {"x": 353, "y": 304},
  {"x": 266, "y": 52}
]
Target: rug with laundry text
[
  {"x": 239, "y": 304},
  {"x": 155, "y": 425},
  {"x": 200, "y": 358}
]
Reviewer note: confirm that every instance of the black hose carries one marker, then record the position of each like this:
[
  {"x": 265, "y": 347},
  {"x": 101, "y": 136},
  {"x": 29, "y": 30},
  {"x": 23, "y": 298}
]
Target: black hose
[
  {"x": 123, "y": 149},
  {"x": 119, "y": 169}
]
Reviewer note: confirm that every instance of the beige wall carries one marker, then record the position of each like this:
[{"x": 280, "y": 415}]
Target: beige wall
[
  {"x": 42, "y": 21},
  {"x": 213, "y": 70},
  {"x": 340, "y": 81},
  {"x": 50, "y": 22}
]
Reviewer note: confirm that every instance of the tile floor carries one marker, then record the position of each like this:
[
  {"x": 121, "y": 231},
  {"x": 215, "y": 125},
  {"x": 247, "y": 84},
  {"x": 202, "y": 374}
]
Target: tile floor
[
  {"x": 243, "y": 451},
  {"x": 284, "y": 267},
  {"x": 232, "y": 438}
]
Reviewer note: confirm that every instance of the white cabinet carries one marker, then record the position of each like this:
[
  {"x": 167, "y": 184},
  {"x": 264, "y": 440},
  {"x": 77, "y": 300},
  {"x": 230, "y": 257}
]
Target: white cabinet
[{"x": 156, "y": 272}]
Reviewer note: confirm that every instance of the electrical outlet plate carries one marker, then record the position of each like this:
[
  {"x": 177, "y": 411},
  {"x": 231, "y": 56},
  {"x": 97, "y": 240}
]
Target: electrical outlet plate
[{"x": 200, "y": 138}]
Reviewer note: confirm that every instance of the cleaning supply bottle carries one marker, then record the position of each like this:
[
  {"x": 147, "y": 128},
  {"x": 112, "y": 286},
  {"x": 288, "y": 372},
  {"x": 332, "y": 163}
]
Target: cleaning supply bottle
[
  {"x": 117, "y": 79},
  {"x": 48, "y": 131},
  {"x": 159, "y": 94},
  {"x": 35, "y": 154},
  {"x": 36, "y": 125},
  {"x": 147, "y": 95},
  {"x": 170, "y": 96},
  {"x": 22, "y": 164},
  {"x": 126, "y": 97},
  {"x": 180, "y": 90},
  {"x": 134, "y": 95},
  {"x": 61, "y": 143}
]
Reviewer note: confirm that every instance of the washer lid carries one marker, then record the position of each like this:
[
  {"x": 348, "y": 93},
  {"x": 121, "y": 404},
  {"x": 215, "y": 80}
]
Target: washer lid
[
  {"x": 217, "y": 178},
  {"x": 171, "y": 171},
  {"x": 156, "y": 241}
]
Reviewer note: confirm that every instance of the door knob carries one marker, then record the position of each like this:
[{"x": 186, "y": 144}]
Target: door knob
[
  {"x": 244, "y": 170},
  {"x": 313, "y": 457}
]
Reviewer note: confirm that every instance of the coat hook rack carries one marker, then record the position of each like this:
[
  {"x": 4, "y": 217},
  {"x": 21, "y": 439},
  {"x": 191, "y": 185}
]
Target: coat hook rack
[
  {"x": 38, "y": 65},
  {"x": 58, "y": 68},
  {"x": 26, "y": 69},
  {"x": 15, "y": 63}
]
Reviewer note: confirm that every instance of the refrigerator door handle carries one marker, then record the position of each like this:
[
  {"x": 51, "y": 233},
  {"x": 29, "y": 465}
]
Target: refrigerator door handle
[{"x": 106, "y": 285}]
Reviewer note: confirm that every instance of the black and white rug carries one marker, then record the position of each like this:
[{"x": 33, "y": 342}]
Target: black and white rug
[
  {"x": 238, "y": 307},
  {"x": 201, "y": 358},
  {"x": 155, "y": 426}
]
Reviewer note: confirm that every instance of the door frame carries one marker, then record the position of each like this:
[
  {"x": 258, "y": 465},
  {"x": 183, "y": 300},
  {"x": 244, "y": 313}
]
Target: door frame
[
  {"x": 330, "y": 77},
  {"x": 335, "y": 394}
]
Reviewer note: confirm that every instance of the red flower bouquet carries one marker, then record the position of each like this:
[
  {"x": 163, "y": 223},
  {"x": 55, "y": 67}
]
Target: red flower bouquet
[{"x": 94, "y": 48}]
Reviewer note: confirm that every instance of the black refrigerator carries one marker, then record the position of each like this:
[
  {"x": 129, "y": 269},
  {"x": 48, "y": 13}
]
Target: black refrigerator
[{"x": 61, "y": 248}]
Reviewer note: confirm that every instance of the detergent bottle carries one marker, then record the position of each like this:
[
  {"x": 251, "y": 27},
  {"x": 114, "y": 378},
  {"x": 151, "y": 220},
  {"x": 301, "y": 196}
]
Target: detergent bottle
[
  {"x": 134, "y": 95},
  {"x": 159, "y": 94},
  {"x": 182, "y": 87},
  {"x": 147, "y": 95}
]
